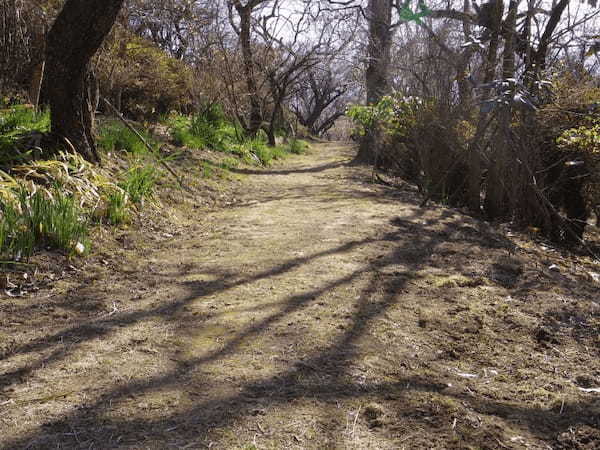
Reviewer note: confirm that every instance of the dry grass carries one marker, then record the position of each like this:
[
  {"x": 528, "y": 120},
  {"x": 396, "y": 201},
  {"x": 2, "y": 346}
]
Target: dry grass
[{"x": 314, "y": 311}]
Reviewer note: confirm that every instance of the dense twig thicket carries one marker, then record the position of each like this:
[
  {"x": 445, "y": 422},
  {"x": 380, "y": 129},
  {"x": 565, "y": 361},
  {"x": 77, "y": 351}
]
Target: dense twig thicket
[{"x": 492, "y": 107}]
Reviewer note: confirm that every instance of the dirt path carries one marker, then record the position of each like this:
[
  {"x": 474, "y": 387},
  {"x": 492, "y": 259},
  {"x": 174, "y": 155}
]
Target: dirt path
[{"x": 319, "y": 312}]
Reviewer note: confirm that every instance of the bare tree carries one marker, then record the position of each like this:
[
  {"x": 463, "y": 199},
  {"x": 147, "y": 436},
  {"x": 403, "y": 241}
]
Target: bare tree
[{"x": 320, "y": 99}]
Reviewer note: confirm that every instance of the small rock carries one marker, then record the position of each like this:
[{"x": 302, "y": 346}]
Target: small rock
[
  {"x": 79, "y": 248},
  {"x": 554, "y": 268}
]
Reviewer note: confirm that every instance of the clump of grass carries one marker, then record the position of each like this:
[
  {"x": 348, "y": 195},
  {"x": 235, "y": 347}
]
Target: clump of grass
[
  {"x": 229, "y": 163},
  {"x": 139, "y": 183},
  {"x": 182, "y": 137},
  {"x": 117, "y": 208},
  {"x": 52, "y": 219},
  {"x": 207, "y": 170},
  {"x": 207, "y": 129},
  {"x": 297, "y": 146},
  {"x": 115, "y": 136}
]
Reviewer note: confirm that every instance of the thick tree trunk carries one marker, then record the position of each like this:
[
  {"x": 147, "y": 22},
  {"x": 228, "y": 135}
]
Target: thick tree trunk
[
  {"x": 377, "y": 75},
  {"x": 76, "y": 35},
  {"x": 255, "y": 119}
]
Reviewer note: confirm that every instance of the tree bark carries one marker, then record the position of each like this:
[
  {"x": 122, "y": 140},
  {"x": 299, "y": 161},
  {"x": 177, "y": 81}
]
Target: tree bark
[
  {"x": 76, "y": 35},
  {"x": 255, "y": 119},
  {"x": 500, "y": 191},
  {"x": 377, "y": 75}
]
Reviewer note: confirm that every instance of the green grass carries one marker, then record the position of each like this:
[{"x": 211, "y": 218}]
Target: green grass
[
  {"x": 229, "y": 163},
  {"x": 139, "y": 183},
  {"x": 115, "y": 136},
  {"x": 207, "y": 170},
  {"x": 200, "y": 132},
  {"x": 40, "y": 219},
  {"x": 211, "y": 130},
  {"x": 117, "y": 208},
  {"x": 297, "y": 146},
  {"x": 14, "y": 122},
  {"x": 20, "y": 119}
]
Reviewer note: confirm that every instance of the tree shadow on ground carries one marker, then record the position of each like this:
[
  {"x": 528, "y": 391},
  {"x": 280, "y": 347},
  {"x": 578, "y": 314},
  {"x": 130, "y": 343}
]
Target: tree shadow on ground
[
  {"x": 312, "y": 169},
  {"x": 322, "y": 376}
]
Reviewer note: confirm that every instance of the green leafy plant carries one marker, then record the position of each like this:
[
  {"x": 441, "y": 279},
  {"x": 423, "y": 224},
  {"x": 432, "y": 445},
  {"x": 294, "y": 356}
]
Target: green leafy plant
[
  {"x": 139, "y": 183},
  {"x": 23, "y": 118},
  {"x": 297, "y": 146},
  {"x": 394, "y": 113},
  {"x": 584, "y": 138},
  {"x": 117, "y": 207},
  {"x": 114, "y": 135},
  {"x": 51, "y": 219}
]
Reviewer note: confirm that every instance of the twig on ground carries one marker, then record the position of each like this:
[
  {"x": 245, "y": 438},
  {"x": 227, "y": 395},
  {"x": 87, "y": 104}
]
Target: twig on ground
[{"x": 355, "y": 420}]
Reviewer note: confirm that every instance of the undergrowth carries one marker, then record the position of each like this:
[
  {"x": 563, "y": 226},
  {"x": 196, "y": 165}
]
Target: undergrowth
[
  {"x": 48, "y": 199},
  {"x": 22, "y": 118},
  {"x": 211, "y": 130},
  {"x": 14, "y": 123},
  {"x": 139, "y": 183},
  {"x": 115, "y": 136},
  {"x": 49, "y": 218}
]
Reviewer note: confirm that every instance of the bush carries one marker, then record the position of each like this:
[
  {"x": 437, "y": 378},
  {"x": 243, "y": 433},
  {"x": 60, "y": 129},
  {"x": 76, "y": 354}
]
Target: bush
[
  {"x": 146, "y": 79},
  {"x": 208, "y": 129},
  {"x": 568, "y": 130}
]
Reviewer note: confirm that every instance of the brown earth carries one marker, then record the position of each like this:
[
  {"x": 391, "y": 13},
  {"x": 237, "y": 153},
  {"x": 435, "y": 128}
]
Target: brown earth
[{"x": 317, "y": 310}]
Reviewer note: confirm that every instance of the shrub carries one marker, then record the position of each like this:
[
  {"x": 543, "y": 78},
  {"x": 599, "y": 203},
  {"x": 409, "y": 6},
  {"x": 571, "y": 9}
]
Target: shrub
[{"x": 146, "y": 79}]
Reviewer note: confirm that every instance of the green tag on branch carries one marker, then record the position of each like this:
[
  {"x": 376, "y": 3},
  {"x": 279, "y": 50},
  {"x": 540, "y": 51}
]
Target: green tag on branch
[{"x": 408, "y": 15}]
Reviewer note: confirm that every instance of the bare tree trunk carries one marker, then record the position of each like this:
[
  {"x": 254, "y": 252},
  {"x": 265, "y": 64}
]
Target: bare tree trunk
[
  {"x": 255, "y": 120},
  {"x": 76, "y": 35},
  {"x": 377, "y": 75},
  {"x": 497, "y": 194},
  {"x": 476, "y": 150}
]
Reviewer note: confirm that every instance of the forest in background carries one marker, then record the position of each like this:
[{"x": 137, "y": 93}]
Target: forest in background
[{"x": 492, "y": 107}]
